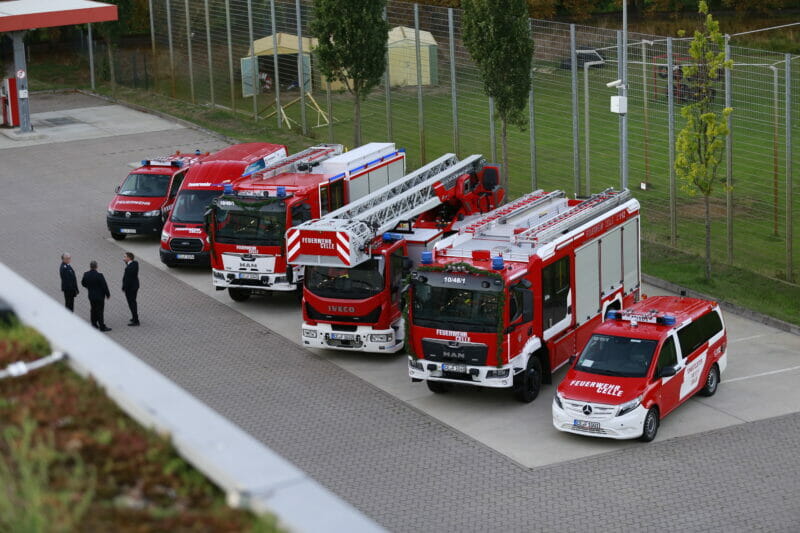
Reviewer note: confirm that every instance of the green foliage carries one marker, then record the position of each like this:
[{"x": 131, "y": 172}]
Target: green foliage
[
  {"x": 20, "y": 338},
  {"x": 112, "y": 31}
]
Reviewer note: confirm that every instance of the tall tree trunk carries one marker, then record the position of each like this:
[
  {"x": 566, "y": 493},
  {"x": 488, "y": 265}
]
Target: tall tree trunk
[
  {"x": 706, "y": 199},
  {"x": 357, "y": 121},
  {"x": 504, "y": 148}
]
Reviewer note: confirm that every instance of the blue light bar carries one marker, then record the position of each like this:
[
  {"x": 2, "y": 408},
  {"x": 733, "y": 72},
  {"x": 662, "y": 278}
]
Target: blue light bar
[
  {"x": 667, "y": 320},
  {"x": 227, "y": 188},
  {"x": 337, "y": 176},
  {"x": 281, "y": 191},
  {"x": 145, "y": 162},
  {"x": 390, "y": 237},
  {"x": 613, "y": 314},
  {"x": 426, "y": 258},
  {"x": 497, "y": 263}
]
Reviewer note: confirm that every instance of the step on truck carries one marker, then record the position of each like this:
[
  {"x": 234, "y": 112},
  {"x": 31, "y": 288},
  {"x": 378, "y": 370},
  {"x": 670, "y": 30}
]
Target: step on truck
[
  {"x": 247, "y": 225},
  {"x": 183, "y": 238},
  {"x": 145, "y": 197},
  {"x": 357, "y": 258},
  {"x": 511, "y": 297}
]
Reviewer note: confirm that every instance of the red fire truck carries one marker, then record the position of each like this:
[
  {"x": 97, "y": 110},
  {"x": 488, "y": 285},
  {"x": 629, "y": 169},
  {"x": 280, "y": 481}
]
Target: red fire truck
[
  {"x": 512, "y": 296},
  {"x": 146, "y": 196},
  {"x": 247, "y": 225},
  {"x": 183, "y": 238},
  {"x": 357, "y": 257}
]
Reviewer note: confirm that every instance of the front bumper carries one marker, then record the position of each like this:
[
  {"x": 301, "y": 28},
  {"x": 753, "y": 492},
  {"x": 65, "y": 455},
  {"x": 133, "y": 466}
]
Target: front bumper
[
  {"x": 361, "y": 340},
  {"x": 169, "y": 257},
  {"x": 134, "y": 225},
  {"x": 627, "y": 426},
  {"x": 422, "y": 369},
  {"x": 226, "y": 279}
]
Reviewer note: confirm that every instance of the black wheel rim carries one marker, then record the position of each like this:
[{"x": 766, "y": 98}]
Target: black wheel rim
[
  {"x": 711, "y": 381},
  {"x": 650, "y": 424}
]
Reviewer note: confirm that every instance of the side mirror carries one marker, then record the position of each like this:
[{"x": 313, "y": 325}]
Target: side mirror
[
  {"x": 408, "y": 264},
  {"x": 667, "y": 372},
  {"x": 116, "y": 189},
  {"x": 572, "y": 359}
]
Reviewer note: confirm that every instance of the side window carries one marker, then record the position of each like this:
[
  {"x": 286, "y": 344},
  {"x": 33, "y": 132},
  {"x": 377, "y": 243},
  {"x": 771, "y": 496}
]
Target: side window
[
  {"x": 515, "y": 304},
  {"x": 555, "y": 289},
  {"x": 323, "y": 200},
  {"x": 337, "y": 194},
  {"x": 300, "y": 213},
  {"x": 667, "y": 356},
  {"x": 176, "y": 183},
  {"x": 698, "y": 332},
  {"x": 396, "y": 265}
]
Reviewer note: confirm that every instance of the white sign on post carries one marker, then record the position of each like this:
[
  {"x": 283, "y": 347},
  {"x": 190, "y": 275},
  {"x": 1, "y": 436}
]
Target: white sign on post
[{"x": 20, "y": 74}]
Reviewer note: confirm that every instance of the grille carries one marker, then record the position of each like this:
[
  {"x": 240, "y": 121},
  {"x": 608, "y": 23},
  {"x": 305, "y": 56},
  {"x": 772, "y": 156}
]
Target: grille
[
  {"x": 454, "y": 352},
  {"x": 186, "y": 245},
  {"x": 369, "y": 318},
  {"x": 457, "y": 375},
  {"x": 134, "y": 214},
  {"x": 599, "y": 411}
]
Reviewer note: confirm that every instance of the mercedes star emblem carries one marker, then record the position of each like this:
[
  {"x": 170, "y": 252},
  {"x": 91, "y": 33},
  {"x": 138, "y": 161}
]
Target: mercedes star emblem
[
  {"x": 587, "y": 410},
  {"x": 128, "y": 214}
]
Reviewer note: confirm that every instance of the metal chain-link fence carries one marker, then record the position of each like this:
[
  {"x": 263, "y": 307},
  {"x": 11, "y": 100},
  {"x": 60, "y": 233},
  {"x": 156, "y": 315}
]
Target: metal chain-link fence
[{"x": 257, "y": 58}]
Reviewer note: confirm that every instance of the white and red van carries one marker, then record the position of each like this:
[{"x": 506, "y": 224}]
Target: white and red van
[
  {"x": 146, "y": 195},
  {"x": 639, "y": 365}
]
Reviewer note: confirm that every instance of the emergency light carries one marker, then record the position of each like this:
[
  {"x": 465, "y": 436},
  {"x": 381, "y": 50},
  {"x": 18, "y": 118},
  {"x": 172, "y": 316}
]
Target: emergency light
[
  {"x": 426, "y": 258},
  {"x": 391, "y": 237},
  {"x": 281, "y": 191},
  {"x": 497, "y": 263},
  {"x": 227, "y": 188}
]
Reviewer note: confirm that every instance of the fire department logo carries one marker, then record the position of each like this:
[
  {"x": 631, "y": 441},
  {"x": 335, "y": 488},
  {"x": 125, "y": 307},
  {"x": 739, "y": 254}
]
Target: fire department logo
[
  {"x": 127, "y": 214},
  {"x": 587, "y": 410}
]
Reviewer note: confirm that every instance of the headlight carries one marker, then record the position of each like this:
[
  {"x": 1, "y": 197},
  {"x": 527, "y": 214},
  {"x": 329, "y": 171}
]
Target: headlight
[
  {"x": 164, "y": 236},
  {"x": 110, "y": 211},
  {"x": 629, "y": 406},
  {"x": 380, "y": 337},
  {"x": 557, "y": 399},
  {"x": 310, "y": 333},
  {"x": 154, "y": 213},
  {"x": 502, "y": 373},
  {"x": 414, "y": 363}
]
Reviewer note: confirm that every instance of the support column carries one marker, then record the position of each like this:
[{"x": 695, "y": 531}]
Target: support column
[
  {"x": 90, "y": 45},
  {"x": 21, "y": 70}
]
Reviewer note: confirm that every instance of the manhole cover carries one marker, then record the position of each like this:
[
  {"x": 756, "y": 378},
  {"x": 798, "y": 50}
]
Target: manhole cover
[{"x": 61, "y": 121}]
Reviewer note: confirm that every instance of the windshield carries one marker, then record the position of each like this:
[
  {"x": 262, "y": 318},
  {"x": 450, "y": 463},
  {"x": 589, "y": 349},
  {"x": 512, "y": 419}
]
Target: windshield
[
  {"x": 355, "y": 283},
  {"x": 152, "y": 185},
  {"x": 263, "y": 227},
  {"x": 455, "y": 308},
  {"x": 191, "y": 205},
  {"x": 616, "y": 356}
]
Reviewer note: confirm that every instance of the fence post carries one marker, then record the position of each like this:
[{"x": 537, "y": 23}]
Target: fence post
[
  {"x": 587, "y": 180},
  {"x": 278, "y": 108},
  {"x": 531, "y": 122},
  {"x": 231, "y": 78},
  {"x": 645, "y": 103},
  {"x": 576, "y": 156},
  {"x": 420, "y": 106},
  {"x": 91, "y": 57},
  {"x": 329, "y": 104},
  {"x": 728, "y": 157},
  {"x": 301, "y": 71},
  {"x": 453, "y": 88},
  {"x": 152, "y": 45},
  {"x": 673, "y": 201},
  {"x": 189, "y": 49},
  {"x": 775, "y": 155},
  {"x": 387, "y": 86},
  {"x": 492, "y": 134},
  {"x": 621, "y": 129},
  {"x": 253, "y": 59},
  {"x": 171, "y": 50},
  {"x": 789, "y": 193},
  {"x": 210, "y": 62}
]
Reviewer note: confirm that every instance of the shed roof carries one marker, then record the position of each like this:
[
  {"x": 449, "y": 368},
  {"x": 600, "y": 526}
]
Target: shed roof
[
  {"x": 18, "y": 15},
  {"x": 287, "y": 44},
  {"x": 401, "y": 34}
]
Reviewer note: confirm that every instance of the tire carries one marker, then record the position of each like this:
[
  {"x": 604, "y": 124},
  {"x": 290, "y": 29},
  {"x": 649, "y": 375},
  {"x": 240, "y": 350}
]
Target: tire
[
  {"x": 712, "y": 382},
  {"x": 438, "y": 387},
  {"x": 528, "y": 383},
  {"x": 650, "y": 425},
  {"x": 239, "y": 295},
  {"x": 118, "y": 236}
]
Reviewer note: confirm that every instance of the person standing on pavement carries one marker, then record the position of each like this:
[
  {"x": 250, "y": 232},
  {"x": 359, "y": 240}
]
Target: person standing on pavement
[
  {"x": 69, "y": 283},
  {"x": 96, "y": 284},
  {"x": 130, "y": 285}
]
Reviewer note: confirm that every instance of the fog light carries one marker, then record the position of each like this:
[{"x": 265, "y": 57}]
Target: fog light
[
  {"x": 310, "y": 333},
  {"x": 380, "y": 337}
]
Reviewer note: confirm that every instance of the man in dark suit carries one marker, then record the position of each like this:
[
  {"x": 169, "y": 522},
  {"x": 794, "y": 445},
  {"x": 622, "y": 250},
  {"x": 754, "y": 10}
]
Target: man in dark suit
[
  {"x": 130, "y": 286},
  {"x": 96, "y": 284},
  {"x": 69, "y": 283}
]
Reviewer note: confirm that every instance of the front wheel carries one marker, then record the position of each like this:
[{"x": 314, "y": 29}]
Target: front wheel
[
  {"x": 438, "y": 387},
  {"x": 239, "y": 295},
  {"x": 528, "y": 383},
  {"x": 650, "y": 426},
  {"x": 712, "y": 382},
  {"x": 118, "y": 236}
]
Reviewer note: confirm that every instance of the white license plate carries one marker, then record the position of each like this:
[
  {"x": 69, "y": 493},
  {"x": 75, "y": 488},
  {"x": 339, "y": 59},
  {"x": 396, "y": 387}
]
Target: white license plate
[
  {"x": 247, "y": 275},
  {"x": 585, "y": 424},
  {"x": 343, "y": 336},
  {"x": 127, "y": 230},
  {"x": 459, "y": 369},
  {"x": 185, "y": 256}
]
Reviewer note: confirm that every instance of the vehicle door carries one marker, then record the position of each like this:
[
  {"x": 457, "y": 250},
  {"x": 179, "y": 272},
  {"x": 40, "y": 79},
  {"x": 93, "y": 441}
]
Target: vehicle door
[
  {"x": 668, "y": 375},
  {"x": 174, "y": 187},
  {"x": 557, "y": 319},
  {"x": 696, "y": 339},
  {"x": 520, "y": 317}
]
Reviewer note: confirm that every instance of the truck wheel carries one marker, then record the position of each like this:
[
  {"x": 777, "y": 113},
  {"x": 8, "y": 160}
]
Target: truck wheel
[
  {"x": 650, "y": 425},
  {"x": 712, "y": 382},
  {"x": 438, "y": 387},
  {"x": 528, "y": 383},
  {"x": 118, "y": 236},
  {"x": 239, "y": 295}
]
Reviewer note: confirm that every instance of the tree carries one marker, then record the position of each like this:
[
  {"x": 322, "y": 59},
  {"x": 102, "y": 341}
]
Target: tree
[
  {"x": 352, "y": 37},
  {"x": 700, "y": 144},
  {"x": 112, "y": 31},
  {"x": 497, "y": 35}
]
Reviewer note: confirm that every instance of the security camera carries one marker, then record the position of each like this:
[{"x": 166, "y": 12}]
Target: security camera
[{"x": 613, "y": 84}]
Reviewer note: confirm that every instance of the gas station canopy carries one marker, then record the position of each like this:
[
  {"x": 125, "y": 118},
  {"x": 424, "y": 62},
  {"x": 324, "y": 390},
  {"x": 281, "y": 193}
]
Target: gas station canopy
[{"x": 16, "y": 15}]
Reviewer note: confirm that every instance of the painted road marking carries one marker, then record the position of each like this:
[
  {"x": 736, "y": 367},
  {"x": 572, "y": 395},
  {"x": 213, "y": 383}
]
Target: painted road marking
[{"x": 762, "y": 374}]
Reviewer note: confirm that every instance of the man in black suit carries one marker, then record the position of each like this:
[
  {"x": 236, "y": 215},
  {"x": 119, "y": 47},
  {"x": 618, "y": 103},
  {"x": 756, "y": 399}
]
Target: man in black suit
[
  {"x": 96, "y": 284},
  {"x": 69, "y": 283},
  {"x": 130, "y": 286}
]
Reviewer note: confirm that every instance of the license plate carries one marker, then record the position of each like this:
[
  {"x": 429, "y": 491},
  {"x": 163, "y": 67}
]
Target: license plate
[
  {"x": 247, "y": 275},
  {"x": 343, "y": 336},
  {"x": 585, "y": 424},
  {"x": 459, "y": 369},
  {"x": 127, "y": 230},
  {"x": 185, "y": 256}
]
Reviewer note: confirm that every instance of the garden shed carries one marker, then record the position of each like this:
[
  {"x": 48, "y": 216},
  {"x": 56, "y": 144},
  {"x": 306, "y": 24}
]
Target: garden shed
[{"x": 403, "y": 57}]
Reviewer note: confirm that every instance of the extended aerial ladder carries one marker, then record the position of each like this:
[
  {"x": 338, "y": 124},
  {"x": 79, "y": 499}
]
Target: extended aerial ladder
[
  {"x": 343, "y": 237},
  {"x": 303, "y": 160}
]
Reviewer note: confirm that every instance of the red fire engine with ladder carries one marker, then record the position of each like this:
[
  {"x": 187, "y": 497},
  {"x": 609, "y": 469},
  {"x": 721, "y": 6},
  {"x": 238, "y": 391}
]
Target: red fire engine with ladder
[
  {"x": 511, "y": 297},
  {"x": 247, "y": 224},
  {"x": 357, "y": 257}
]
